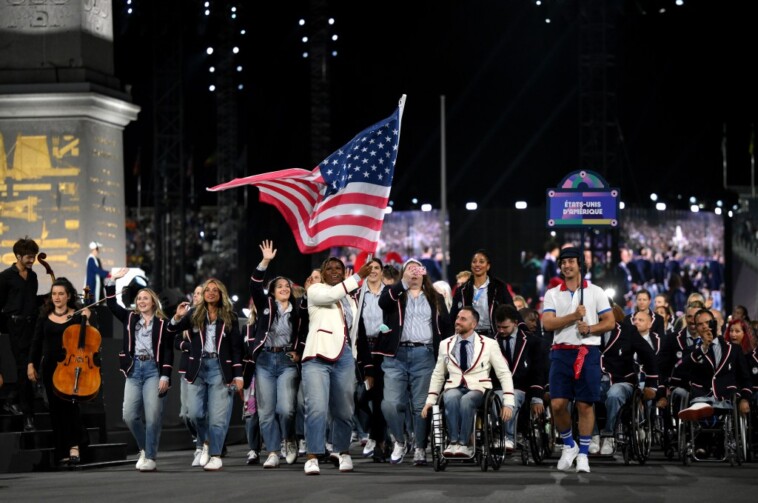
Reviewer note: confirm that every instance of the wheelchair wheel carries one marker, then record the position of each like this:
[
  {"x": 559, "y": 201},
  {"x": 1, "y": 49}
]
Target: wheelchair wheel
[
  {"x": 683, "y": 441},
  {"x": 438, "y": 437},
  {"x": 740, "y": 435},
  {"x": 493, "y": 447},
  {"x": 642, "y": 435},
  {"x": 539, "y": 437}
]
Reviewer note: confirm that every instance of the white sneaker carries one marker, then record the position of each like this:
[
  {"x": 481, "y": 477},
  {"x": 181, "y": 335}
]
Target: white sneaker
[
  {"x": 465, "y": 451},
  {"x": 196, "y": 459},
  {"x": 311, "y": 467},
  {"x": 609, "y": 446},
  {"x": 213, "y": 464},
  {"x": 567, "y": 457},
  {"x": 419, "y": 457},
  {"x": 272, "y": 461},
  {"x": 509, "y": 445},
  {"x": 368, "y": 449},
  {"x": 290, "y": 452},
  {"x": 329, "y": 447},
  {"x": 582, "y": 464},
  {"x": 450, "y": 450},
  {"x": 148, "y": 466},
  {"x": 397, "y": 453},
  {"x": 302, "y": 449},
  {"x": 595, "y": 444},
  {"x": 252, "y": 458},
  {"x": 205, "y": 456},
  {"x": 346, "y": 463},
  {"x": 141, "y": 459}
]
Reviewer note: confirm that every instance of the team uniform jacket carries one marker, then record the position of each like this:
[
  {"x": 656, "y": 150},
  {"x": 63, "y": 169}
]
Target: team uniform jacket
[
  {"x": 392, "y": 302},
  {"x": 487, "y": 358},
  {"x": 527, "y": 371},
  {"x": 672, "y": 351},
  {"x": 731, "y": 375},
  {"x": 162, "y": 341},
  {"x": 327, "y": 332},
  {"x": 617, "y": 359},
  {"x": 229, "y": 347},
  {"x": 257, "y": 334}
]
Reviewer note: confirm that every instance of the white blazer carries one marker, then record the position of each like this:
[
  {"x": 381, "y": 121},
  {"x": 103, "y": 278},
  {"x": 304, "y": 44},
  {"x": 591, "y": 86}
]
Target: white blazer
[
  {"x": 487, "y": 356},
  {"x": 326, "y": 327}
]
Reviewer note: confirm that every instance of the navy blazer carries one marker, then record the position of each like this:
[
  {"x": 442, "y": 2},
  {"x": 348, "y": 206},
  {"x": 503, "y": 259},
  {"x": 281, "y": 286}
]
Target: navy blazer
[
  {"x": 162, "y": 341},
  {"x": 672, "y": 351},
  {"x": 618, "y": 357},
  {"x": 731, "y": 375},
  {"x": 527, "y": 369},
  {"x": 752, "y": 364},
  {"x": 392, "y": 302},
  {"x": 266, "y": 308},
  {"x": 229, "y": 347}
]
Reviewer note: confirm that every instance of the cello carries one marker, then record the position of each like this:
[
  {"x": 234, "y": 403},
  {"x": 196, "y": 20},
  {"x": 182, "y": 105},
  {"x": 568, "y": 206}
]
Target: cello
[{"x": 77, "y": 376}]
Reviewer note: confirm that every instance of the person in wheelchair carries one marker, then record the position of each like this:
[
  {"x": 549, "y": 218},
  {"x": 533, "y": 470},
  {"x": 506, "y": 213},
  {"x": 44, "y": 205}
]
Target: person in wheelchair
[
  {"x": 673, "y": 383},
  {"x": 716, "y": 368},
  {"x": 523, "y": 353},
  {"x": 624, "y": 349},
  {"x": 466, "y": 359}
]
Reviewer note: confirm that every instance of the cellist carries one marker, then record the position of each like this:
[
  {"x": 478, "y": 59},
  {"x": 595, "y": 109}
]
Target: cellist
[
  {"x": 55, "y": 317},
  {"x": 146, "y": 359}
]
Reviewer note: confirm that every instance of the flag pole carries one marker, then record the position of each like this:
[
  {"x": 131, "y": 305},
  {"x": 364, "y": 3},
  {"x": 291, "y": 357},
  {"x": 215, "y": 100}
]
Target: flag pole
[
  {"x": 443, "y": 188},
  {"x": 361, "y": 292}
]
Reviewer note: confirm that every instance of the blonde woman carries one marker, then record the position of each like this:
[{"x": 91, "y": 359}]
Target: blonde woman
[
  {"x": 215, "y": 365},
  {"x": 146, "y": 359}
]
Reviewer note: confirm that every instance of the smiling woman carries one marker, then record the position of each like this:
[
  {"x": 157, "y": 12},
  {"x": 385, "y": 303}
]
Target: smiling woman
[
  {"x": 146, "y": 360},
  {"x": 329, "y": 363}
]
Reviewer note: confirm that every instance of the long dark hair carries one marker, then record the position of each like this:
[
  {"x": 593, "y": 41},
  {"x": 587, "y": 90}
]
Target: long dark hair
[
  {"x": 432, "y": 296},
  {"x": 271, "y": 293},
  {"x": 73, "y": 300}
]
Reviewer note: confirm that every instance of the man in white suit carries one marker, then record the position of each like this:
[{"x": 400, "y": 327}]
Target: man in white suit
[{"x": 467, "y": 359}]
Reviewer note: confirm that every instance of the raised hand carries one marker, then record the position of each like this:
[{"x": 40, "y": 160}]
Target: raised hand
[
  {"x": 120, "y": 273},
  {"x": 268, "y": 251}
]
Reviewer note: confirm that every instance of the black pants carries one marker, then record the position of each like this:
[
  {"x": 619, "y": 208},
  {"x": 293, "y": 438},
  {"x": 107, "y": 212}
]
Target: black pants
[
  {"x": 65, "y": 417},
  {"x": 368, "y": 405},
  {"x": 20, "y": 336}
]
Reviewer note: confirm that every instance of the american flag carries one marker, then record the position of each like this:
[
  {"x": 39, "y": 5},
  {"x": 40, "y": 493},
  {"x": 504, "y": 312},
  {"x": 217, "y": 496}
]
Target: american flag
[{"x": 342, "y": 201}]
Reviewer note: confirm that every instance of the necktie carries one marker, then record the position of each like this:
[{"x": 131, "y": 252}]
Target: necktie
[
  {"x": 717, "y": 353},
  {"x": 508, "y": 351},
  {"x": 463, "y": 357}
]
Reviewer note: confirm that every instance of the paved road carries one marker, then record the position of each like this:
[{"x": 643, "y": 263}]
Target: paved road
[{"x": 610, "y": 482}]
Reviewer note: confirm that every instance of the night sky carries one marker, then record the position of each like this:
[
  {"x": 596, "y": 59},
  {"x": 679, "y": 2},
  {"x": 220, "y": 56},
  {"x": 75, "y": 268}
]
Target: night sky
[{"x": 511, "y": 81}]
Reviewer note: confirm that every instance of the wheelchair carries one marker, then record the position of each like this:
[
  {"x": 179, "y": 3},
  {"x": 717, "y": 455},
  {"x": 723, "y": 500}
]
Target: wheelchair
[
  {"x": 488, "y": 435},
  {"x": 634, "y": 429},
  {"x": 721, "y": 437},
  {"x": 537, "y": 435}
]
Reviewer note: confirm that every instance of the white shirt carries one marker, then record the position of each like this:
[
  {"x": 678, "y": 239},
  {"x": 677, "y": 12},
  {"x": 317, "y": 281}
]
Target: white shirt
[{"x": 563, "y": 301}]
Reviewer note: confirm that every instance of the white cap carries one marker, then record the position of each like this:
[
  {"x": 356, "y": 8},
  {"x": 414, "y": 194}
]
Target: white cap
[{"x": 95, "y": 245}]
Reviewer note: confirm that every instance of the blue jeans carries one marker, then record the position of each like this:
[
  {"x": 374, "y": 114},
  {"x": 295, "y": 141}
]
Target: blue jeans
[
  {"x": 210, "y": 402},
  {"x": 328, "y": 388},
  {"x": 184, "y": 411},
  {"x": 615, "y": 397},
  {"x": 143, "y": 408},
  {"x": 510, "y": 427},
  {"x": 411, "y": 367},
  {"x": 460, "y": 410},
  {"x": 276, "y": 394}
]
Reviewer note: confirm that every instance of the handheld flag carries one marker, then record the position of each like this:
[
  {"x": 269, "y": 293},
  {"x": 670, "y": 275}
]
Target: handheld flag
[{"x": 341, "y": 202}]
